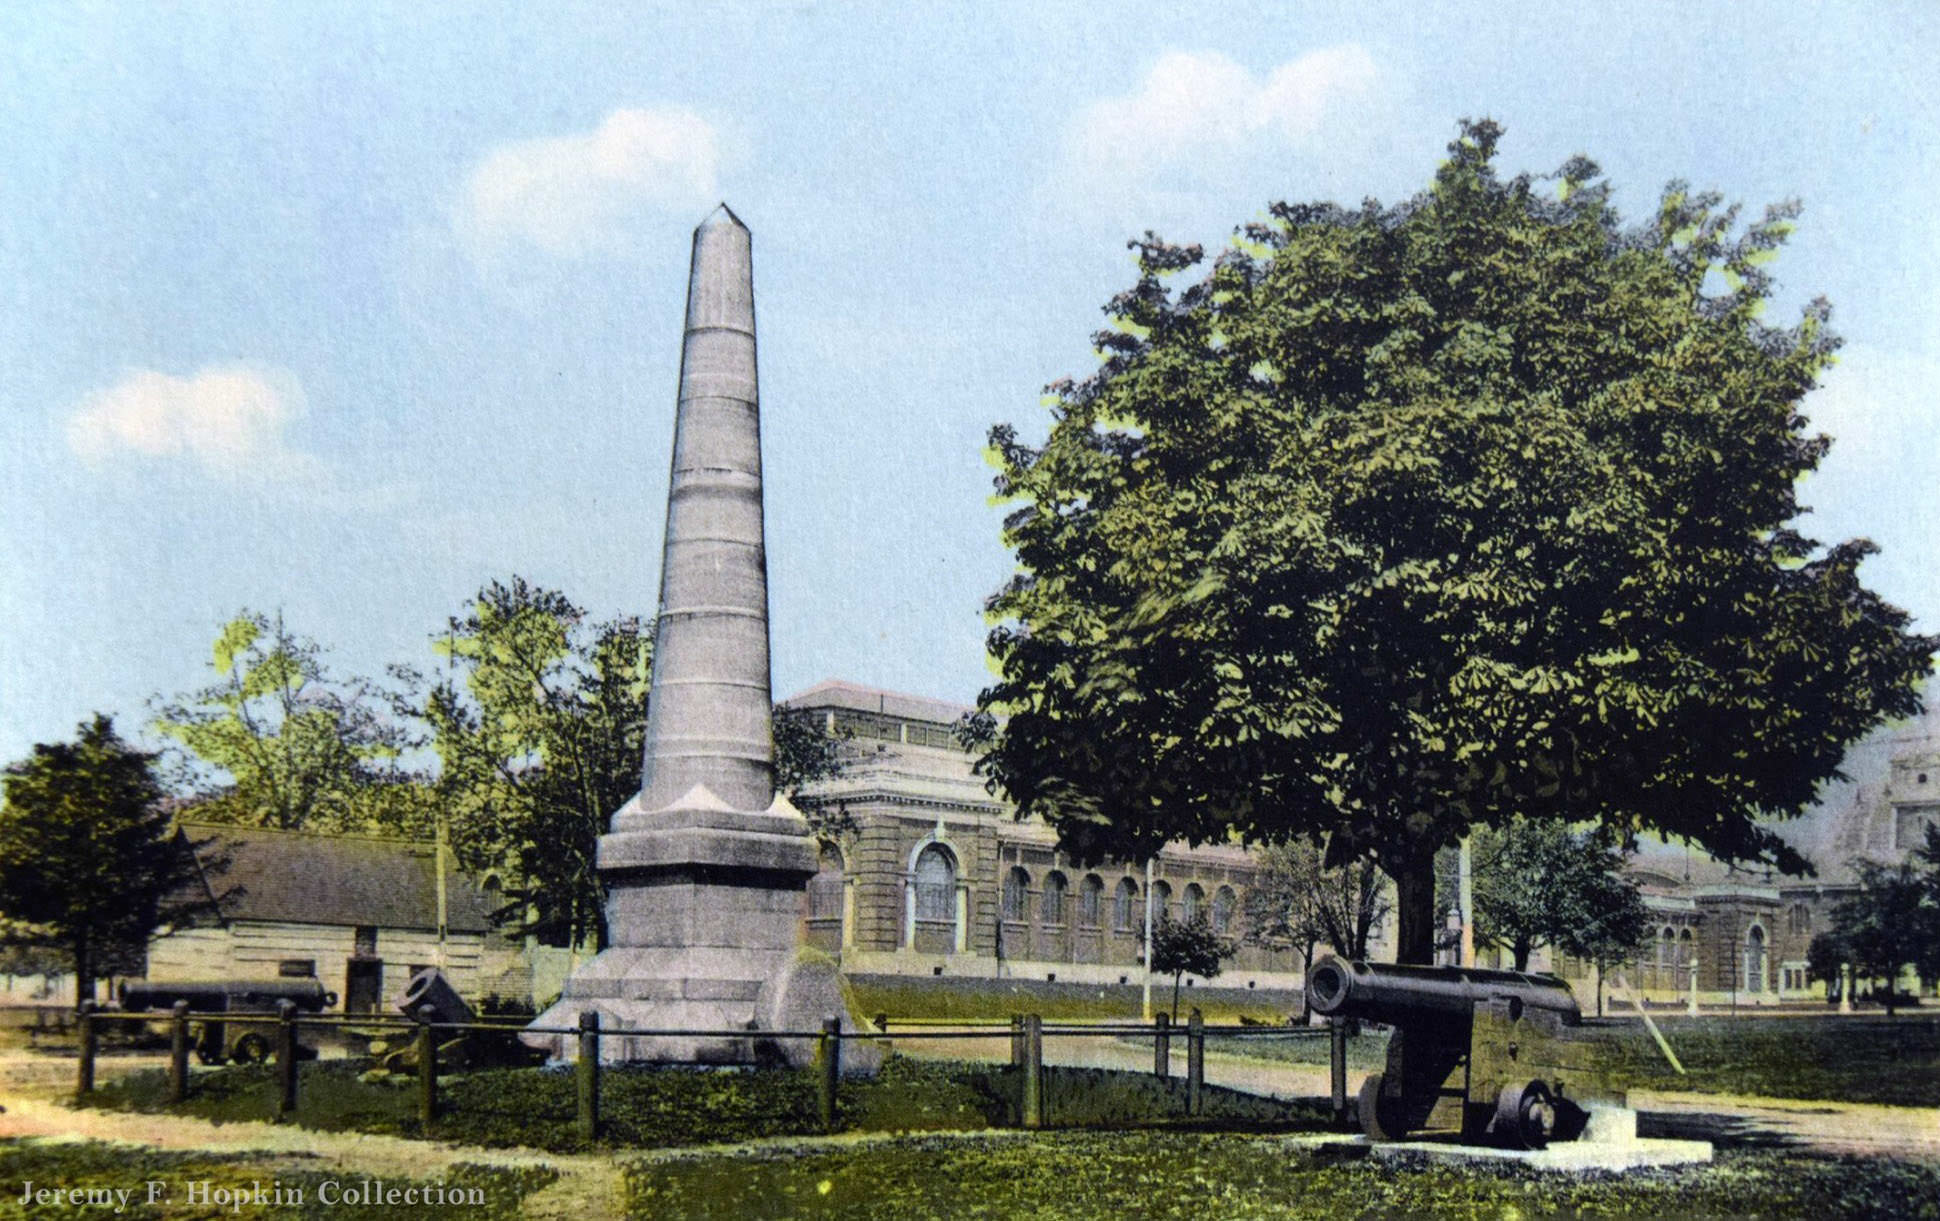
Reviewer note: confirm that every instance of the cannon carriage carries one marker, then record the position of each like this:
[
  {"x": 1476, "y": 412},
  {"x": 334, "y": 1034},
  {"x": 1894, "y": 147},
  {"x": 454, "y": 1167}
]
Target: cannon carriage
[
  {"x": 218, "y": 1041},
  {"x": 1498, "y": 1057}
]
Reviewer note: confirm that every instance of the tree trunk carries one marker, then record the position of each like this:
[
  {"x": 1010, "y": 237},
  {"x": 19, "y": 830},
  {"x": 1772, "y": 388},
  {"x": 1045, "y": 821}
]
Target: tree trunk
[
  {"x": 83, "y": 971},
  {"x": 1522, "y": 954},
  {"x": 1414, "y": 908},
  {"x": 1175, "y": 997}
]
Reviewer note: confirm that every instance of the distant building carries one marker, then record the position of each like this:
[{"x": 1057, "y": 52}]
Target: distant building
[
  {"x": 1747, "y": 931},
  {"x": 359, "y": 913},
  {"x": 940, "y": 879}
]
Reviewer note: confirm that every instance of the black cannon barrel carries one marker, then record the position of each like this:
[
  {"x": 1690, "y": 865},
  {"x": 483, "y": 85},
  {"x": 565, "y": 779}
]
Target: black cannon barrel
[
  {"x": 1391, "y": 993},
  {"x": 225, "y": 995}
]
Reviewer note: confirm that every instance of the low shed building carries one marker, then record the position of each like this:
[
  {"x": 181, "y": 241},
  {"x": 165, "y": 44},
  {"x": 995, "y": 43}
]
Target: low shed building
[{"x": 359, "y": 913}]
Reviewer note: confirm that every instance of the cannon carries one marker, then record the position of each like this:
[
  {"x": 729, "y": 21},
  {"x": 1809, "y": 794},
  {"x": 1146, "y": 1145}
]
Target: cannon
[
  {"x": 213, "y": 1046},
  {"x": 1492, "y": 1055}
]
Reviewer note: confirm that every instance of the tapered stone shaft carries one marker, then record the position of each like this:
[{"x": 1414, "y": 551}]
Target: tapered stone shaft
[{"x": 707, "y": 722}]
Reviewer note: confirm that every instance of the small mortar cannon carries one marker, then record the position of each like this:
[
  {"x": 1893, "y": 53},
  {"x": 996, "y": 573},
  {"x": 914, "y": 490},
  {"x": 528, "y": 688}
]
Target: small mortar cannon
[
  {"x": 429, "y": 994},
  {"x": 1493, "y": 1055},
  {"x": 251, "y": 1044}
]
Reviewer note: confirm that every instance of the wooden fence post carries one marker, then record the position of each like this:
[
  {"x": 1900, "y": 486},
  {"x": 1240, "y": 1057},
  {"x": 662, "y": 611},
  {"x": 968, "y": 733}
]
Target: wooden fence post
[
  {"x": 1017, "y": 1040},
  {"x": 586, "y": 1071},
  {"x": 1162, "y": 1046},
  {"x": 84, "y": 1073},
  {"x": 178, "y": 1051},
  {"x": 286, "y": 1057},
  {"x": 1033, "y": 1071},
  {"x": 831, "y": 1051},
  {"x": 1196, "y": 1064},
  {"x": 1337, "y": 1067},
  {"x": 427, "y": 1071}
]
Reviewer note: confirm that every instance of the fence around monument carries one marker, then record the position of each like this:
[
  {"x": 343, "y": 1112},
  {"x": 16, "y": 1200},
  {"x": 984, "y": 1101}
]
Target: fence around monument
[{"x": 1027, "y": 1034}]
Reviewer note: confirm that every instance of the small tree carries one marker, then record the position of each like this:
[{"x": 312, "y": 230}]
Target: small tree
[
  {"x": 89, "y": 863},
  {"x": 1187, "y": 947},
  {"x": 1297, "y": 902},
  {"x": 1613, "y": 929},
  {"x": 1540, "y": 884},
  {"x": 1888, "y": 925},
  {"x": 1825, "y": 961}
]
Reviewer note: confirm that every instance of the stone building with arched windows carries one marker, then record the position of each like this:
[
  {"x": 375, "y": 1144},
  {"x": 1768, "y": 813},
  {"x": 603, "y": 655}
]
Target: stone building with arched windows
[
  {"x": 938, "y": 878},
  {"x": 1747, "y": 932}
]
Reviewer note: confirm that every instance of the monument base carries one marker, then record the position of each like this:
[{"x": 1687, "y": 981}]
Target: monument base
[{"x": 704, "y": 908}]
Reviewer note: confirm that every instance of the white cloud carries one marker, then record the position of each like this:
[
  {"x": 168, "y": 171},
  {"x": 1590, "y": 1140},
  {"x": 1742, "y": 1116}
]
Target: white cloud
[
  {"x": 1200, "y": 107},
  {"x": 229, "y": 420},
  {"x": 580, "y": 194}
]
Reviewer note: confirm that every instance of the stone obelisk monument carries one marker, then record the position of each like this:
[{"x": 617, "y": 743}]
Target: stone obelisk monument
[{"x": 705, "y": 867}]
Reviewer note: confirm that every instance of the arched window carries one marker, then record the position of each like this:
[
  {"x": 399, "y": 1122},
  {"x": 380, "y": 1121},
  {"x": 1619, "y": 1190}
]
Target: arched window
[
  {"x": 1017, "y": 895},
  {"x": 1090, "y": 900},
  {"x": 1054, "y": 898},
  {"x": 936, "y": 884},
  {"x": 1666, "y": 947},
  {"x": 1124, "y": 906},
  {"x": 1754, "y": 959},
  {"x": 1801, "y": 918},
  {"x": 1224, "y": 901},
  {"x": 1194, "y": 905},
  {"x": 1161, "y": 899}
]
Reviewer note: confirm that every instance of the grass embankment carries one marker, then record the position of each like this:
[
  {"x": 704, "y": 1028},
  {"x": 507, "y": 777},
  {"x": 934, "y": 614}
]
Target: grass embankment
[
  {"x": 1205, "y": 1175},
  {"x": 977, "y": 1000},
  {"x": 661, "y": 1107},
  {"x": 214, "y": 1185},
  {"x": 1893, "y": 1062}
]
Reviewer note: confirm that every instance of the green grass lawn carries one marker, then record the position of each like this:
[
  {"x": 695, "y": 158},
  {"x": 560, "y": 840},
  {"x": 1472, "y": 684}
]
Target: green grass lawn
[
  {"x": 88, "y": 1164},
  {"x": 1893, "y": 1061},
  {"x": 1204, "y": 1176},
  {"x": 658, "y": 1107}
]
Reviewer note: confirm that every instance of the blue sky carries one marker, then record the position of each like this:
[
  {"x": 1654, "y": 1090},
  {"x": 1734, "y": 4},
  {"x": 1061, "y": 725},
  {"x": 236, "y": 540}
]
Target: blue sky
[{"x": 344, "y": 310}]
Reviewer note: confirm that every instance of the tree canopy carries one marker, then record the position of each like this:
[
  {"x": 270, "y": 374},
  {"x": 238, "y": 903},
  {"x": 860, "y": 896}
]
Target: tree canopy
[
  {"x": 1298, "y": 901},
  {"x": 279, "y": 741},
  {"x": 1541, "y": 884},
  {"x": 88, "y": 858},
  {"x": 1187, "y": 947},
  {"x": 1407, "y": 519}
]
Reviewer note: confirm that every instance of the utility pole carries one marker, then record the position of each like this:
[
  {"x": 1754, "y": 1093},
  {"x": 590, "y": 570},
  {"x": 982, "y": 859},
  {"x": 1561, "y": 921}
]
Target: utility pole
[{"x": 1146, "y": 1006}]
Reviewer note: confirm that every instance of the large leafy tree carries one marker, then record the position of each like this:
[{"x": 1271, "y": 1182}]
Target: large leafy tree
[
  {"x": 277, "y": 740},
  {"x": 89, "y": 863},
  {"x": 538, "y": 724},
  {"x": 1403, "y": 520},
  {"x": 1541, "y": 884}
]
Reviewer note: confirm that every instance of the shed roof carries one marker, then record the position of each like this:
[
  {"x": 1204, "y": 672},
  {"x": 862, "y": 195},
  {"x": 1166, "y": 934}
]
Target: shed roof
[{"x": 304, "y": 878}]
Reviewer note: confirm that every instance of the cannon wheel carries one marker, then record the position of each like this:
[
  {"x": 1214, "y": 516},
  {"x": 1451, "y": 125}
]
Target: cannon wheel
[
  {"x": 250, "y": 1049},
  {"x": 1525, "y": 1115},
  {"x": 1381, "y": 1118}
]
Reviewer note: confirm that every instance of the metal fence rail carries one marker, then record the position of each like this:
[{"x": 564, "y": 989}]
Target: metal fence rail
[{"x": 1026, "y": 1032}]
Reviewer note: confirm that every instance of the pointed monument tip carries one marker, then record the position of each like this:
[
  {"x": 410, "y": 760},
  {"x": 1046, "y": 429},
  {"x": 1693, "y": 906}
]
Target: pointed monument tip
[{"x": 722, "y": 215}]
